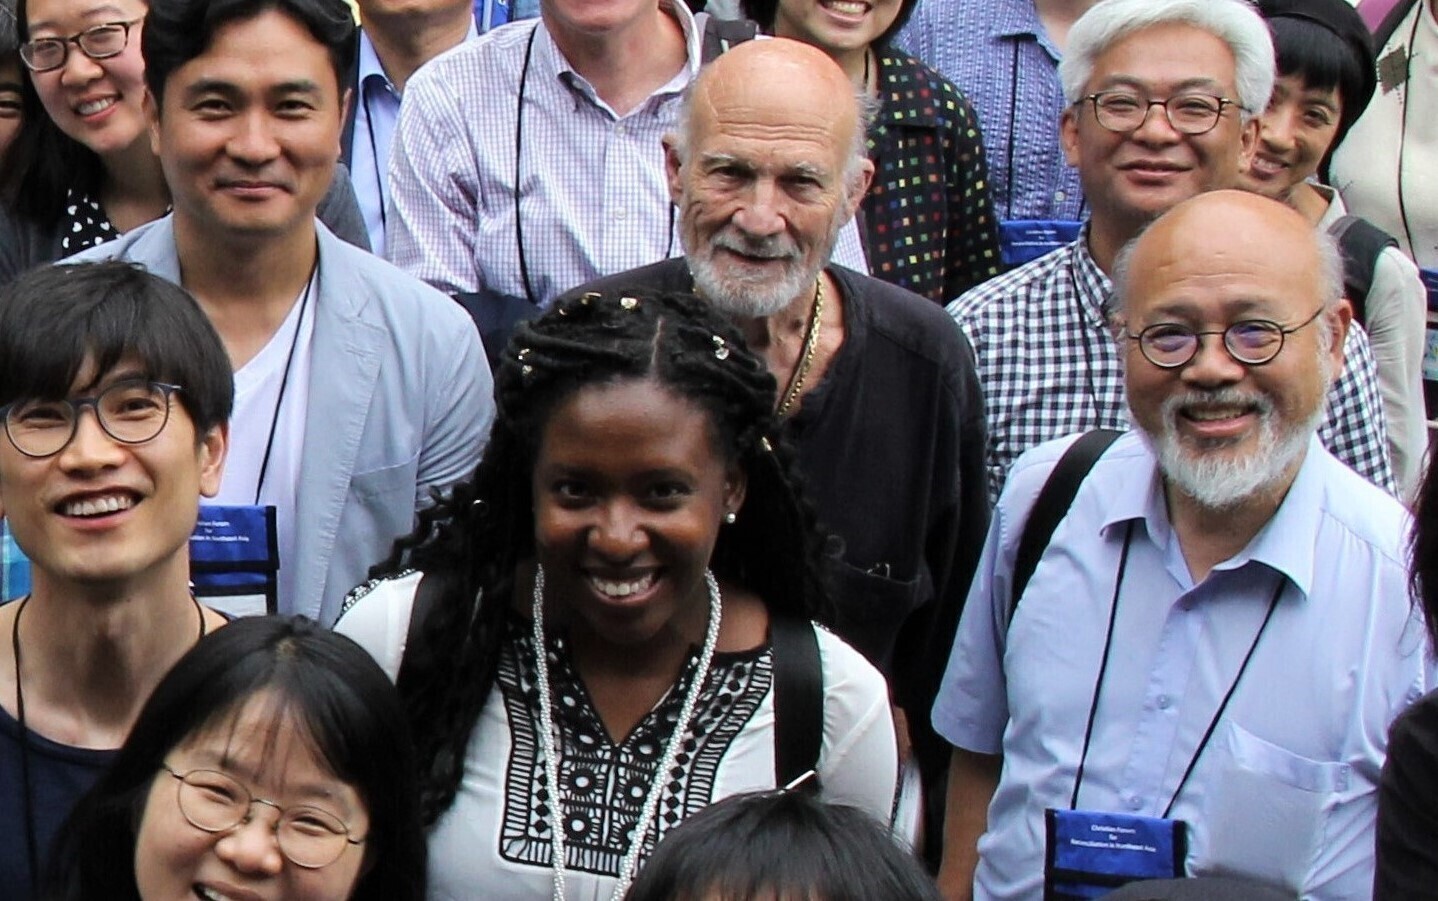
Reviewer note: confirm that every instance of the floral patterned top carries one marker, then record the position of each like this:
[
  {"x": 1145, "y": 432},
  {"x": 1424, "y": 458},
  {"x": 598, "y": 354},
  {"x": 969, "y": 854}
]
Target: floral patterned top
[{"x": 928, "y": 220}]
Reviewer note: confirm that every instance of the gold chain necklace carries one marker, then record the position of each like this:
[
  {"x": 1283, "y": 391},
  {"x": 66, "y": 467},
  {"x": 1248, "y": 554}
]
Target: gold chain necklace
[{"x": 811, "y": 343}]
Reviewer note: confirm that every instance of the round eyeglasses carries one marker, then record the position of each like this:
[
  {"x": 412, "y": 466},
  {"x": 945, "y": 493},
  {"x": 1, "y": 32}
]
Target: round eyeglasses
[
  {"x": 1251, "y": 342},
  {"x": 96, "y": 42},
  {"x": 214, "y": 802},
  {"x": 1189, "y": 114},
  {"x": 131, "y": 412}
]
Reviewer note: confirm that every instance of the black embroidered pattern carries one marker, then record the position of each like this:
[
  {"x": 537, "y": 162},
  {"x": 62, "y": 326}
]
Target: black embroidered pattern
[{"x": 604, "y": 783}]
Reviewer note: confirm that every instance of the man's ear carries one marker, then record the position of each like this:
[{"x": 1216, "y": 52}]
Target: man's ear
[
  {"x": 213, "y": 447},
  {"x": 859, "y": 186},
  {"x": 347, "y": 96},
  {"x": 152, "y": 120},
  {"x": 672, "y": 167},
  {"x": 1342, "y": 316},
  {"x": 1247, "y": 144},
  {"x": 1069, "y": 135}
]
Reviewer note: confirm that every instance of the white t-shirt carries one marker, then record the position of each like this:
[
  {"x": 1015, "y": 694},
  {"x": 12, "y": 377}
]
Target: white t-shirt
[{"x": 257, "y": 394}]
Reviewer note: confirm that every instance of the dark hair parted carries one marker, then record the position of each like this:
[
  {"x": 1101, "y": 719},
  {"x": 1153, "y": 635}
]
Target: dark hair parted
[
  {"x": 43, "y": 163},
  {"x": 473, "y": 540},
  {"x": 788, "y": 846},
  {"x": 765, "y": 11},
  {"x": 177, "y": 31},
  {"x": 56, "y": 320},
  {"x": 320, "y": 682},
  {"x": 1423, "y": 554}
]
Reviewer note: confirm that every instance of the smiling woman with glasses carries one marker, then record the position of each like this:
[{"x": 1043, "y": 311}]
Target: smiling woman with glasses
[
  {"x": 81, "y": 170},
  {"x": 273, "y": 761}
]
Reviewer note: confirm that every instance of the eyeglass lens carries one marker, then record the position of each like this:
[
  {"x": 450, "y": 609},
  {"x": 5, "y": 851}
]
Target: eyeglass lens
[
  {"x": 1252, "y": 342},
  {"x": 214, "y": 802},
  {"x": 99, "y": 42},
  {"x": 131, "y": 412},
  {"x": 1191, "y": 114}
]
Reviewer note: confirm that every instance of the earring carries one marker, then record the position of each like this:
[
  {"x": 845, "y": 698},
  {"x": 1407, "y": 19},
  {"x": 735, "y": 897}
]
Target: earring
[{"x": 730, "y": 518}]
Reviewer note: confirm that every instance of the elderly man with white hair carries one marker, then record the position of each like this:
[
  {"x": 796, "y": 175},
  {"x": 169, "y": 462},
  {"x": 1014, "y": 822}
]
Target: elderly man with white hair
[
  {"x": 1162, "y": 96},
  {"x": 1197, "y": 676}
]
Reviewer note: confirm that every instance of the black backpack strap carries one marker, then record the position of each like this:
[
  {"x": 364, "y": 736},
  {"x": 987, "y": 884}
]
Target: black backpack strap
[
  {"x": 1361, "y": 242},
  {"x": 721, "y": 34},
  {"x": 1053, "y": 504},
  {"x": 798, "y": 699},
  {"x": 1390, "y": 23},
  {"x": 426, "y": 595}
]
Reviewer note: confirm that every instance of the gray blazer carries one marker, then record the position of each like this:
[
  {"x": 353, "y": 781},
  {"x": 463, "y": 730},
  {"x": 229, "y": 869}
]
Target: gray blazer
[
  {"x": 401, "y": 401},
  {"x": 25, "y": 245}
]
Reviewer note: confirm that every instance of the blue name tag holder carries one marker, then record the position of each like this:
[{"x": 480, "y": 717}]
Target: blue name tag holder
[
  {"x": 1090, "y": 853},
  {"x": 235, "y": 560},
  {"x": 1022, "y": 240}
]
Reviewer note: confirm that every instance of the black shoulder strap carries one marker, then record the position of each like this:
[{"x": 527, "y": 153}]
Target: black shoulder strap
[
  {"x": 1361, "y": 242},
  {"x": 1053, "y": 504},
  {"x": 426, "y": 594},
  {"x": 721, "y": 34},
  {"x": 798, "y": 698},
  {"x": 1390, "y": 23}
]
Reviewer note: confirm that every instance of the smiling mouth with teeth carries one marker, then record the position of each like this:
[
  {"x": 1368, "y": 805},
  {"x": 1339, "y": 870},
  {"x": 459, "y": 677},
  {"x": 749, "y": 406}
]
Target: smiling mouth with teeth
[
  {"x": 209, "y": 894},
  {"x": 616, "y": 589},
  {"x": 95, "y": 106},
  {"x": 97, "y": 506}
]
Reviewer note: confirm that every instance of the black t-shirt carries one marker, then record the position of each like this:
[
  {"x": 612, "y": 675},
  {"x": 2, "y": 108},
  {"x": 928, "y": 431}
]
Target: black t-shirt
[{"x": 59, "y": 775}]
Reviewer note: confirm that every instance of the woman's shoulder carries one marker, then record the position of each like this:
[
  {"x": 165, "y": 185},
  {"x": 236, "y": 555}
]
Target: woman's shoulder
[
  {"x": 377, "y": 615},
  {"x": 843, "y": 666}
]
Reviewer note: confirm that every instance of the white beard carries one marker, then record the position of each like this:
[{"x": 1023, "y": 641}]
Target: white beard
[{"x": 1219, "y": 481}]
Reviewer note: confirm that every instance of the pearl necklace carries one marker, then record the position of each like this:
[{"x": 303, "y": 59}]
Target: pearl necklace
[{"x": 549, "y": 743}]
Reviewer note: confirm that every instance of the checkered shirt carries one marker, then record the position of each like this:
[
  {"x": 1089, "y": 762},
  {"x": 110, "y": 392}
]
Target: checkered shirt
[{"x": 1049, "y": 367}]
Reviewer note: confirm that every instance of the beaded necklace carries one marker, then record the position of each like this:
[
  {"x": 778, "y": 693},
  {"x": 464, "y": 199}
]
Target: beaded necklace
[{"x": 549, "y": 743}]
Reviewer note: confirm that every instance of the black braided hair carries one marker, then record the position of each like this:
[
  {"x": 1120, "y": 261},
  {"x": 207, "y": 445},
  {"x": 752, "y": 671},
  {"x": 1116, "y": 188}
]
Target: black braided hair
[{"x": 472, "y": 540}]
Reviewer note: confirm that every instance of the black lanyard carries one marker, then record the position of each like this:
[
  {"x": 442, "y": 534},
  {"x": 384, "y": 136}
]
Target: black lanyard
[
  {"x": 374, "y": 152},
  {"x": 285, "y": 378},
  {"x": 1013, "y": 132},
  {"x": 1103, "y": 667},
  {"x": 519, "y": 154}
]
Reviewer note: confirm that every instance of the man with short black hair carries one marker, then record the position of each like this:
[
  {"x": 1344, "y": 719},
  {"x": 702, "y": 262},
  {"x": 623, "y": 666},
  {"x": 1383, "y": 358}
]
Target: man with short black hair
[
  {"x": 115, "y": 394},
  {"x": 359, "y": 390}
]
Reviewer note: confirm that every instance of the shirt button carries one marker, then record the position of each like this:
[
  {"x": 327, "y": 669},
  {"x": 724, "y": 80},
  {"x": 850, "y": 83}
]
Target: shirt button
[
  {"x": 1164, "y": 702},
  {"x": 1135, "y": 803},
  {"x": 621, "y": 129},
  {"x": 620, "y": 214},
  {"x": 1060, "y": 196}
]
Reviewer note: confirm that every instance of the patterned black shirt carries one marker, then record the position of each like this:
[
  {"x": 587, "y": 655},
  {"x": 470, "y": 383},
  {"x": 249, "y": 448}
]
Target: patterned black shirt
[{"x": 928, "y": 224}]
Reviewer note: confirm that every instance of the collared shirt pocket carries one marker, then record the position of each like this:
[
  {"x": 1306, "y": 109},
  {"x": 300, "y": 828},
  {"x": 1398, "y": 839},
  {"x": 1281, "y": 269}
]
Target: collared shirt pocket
[{"x": 1266, "y": 810}]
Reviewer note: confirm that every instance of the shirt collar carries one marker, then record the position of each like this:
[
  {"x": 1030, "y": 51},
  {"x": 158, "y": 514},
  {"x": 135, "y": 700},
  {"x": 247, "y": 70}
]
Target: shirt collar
[
  {"x": 902, "y": 80},
  {"x": 1094, "y": 287},
  {"x": 1019, "y": 19},
  {"x": 1285, "y": 544},
  {"x": 550, "y": 61},
  {"x": 371, "y": 67}
]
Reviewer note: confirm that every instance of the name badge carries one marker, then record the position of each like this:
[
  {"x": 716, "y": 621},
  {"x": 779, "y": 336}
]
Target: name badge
[
  {"x": 235, "y": 559},
  {"x": 1090, "y": 853},
  {"x": 1022, "y": 240}
]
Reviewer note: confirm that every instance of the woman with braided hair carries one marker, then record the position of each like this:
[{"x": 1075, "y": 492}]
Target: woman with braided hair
[{"x": 635, "y": 516}]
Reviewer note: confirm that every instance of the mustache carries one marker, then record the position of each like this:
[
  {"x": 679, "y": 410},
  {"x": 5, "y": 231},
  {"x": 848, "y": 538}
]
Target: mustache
[
  {"x": 1216, "y": 397},
  {"x": 770, "y": 247}
]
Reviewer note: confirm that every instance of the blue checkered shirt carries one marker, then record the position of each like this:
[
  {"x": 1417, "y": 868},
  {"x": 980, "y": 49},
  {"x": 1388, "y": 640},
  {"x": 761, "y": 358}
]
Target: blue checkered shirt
[
  {"x": 997, "y": 53},
  {"x": 1049, "y": 367}
]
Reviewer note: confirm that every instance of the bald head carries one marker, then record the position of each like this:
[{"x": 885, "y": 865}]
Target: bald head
[
  {"x": 1212, "y": 231},
  {"x": 781, "y": 79}
]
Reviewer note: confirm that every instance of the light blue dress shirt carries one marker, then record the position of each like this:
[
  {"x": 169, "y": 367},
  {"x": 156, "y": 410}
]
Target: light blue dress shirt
[
  {"x": 999, "y": 55},
  {"x": 376, "y": 113},
  {"x": 1285, "y": 790}
]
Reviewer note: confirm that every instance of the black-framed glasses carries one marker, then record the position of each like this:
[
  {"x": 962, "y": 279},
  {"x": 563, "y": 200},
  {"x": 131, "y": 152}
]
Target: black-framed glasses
[
  {"x": 96, "y": 42},
  {"x": 214, "y": 802},
  {"x": 131, "y": 411},
  {"x": 1190, "y": 113},
  {"x": 1251, "y": 342}
]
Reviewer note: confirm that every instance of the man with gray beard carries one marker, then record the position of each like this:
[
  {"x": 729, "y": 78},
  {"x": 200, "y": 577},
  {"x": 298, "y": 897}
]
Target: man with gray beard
[
  {"x": 1210, "y": 650},
  {"x": 876, "y": 385}
]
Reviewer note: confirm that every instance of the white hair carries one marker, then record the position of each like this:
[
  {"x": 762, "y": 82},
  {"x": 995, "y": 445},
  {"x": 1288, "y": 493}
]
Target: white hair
[{"x": 1235, "y": 22}]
